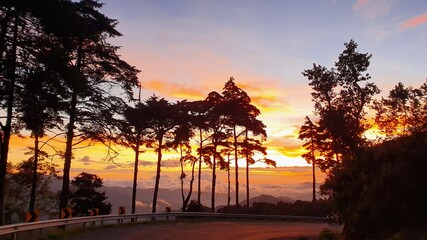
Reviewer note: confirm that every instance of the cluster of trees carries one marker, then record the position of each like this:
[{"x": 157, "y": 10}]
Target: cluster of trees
[
  {"x": 59, "y": 75},
  {"x": 222, "y": 125},
  {"x": 376, "y": 185}
]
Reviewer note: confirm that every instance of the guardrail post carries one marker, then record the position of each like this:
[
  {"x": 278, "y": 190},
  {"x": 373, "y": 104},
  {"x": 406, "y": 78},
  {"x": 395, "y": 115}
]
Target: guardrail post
[
  {"x": 167, "y": 210},
  {"x": 15, "y": 233}
]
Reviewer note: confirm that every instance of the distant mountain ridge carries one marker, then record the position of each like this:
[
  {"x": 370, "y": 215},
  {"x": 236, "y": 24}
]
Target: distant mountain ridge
[{"x": 121, "y": 196}]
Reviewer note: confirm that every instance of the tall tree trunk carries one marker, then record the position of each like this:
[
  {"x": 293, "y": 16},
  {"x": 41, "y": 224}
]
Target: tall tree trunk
[
  {"x": 8, "y": 125},
  {"x": 247, "y": 170},
  {"x": 199, "y": 190},
  {"x": 182, "y": 178},
  {"x": 247, "y": 184},
  {"x": 236, "y": 160},
  {"x": 135, "y": 168},
  {"x": 63, "y": 201},
  {"x": 191, "y": 188},
  {"x": 314, "y": 174},
  {"x": 156, "y": 186},
  {"x": 228, "y": 181},
  {"x": 213, "y": 180},
  {"x": 135, "y": 175},
  {"x": 314, "y": 182},
  {"x": 35, "y": 166}
]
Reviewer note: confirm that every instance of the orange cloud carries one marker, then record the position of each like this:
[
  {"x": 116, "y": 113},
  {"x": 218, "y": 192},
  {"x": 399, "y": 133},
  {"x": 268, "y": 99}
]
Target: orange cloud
[
  {"x": 266, "y": 95},
  {"x": 289, "y": 146},
  {"x": 175, "y": 90},
  {"x": 414, "y": 21},
  {"x": 289, "y": 151}
]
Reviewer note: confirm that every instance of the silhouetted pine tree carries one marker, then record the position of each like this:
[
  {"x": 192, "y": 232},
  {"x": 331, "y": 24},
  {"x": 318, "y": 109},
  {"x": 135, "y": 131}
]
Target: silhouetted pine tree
[
  {"x": 86, "y": 195},
  {"x": 198, "y": 117},
  {"x": 133, "y": 135},
  {"x": 217, "y": 136},
  {"x": 241, "y": 117},
  {"x": 314, "y": 142},
  {"x": 340, "y": 101},
  {"x": 162, "y": 120},
  {"x": 93, "y": 71},
  {"x": 183, "y": 133}
]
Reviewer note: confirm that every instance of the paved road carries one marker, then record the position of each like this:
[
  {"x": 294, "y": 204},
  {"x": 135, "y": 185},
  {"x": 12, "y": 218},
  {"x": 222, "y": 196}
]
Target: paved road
[{"x": 207, "y": 230}]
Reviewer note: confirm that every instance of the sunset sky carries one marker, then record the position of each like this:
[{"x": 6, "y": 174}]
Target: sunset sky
[{"x": 187, "y": 48}]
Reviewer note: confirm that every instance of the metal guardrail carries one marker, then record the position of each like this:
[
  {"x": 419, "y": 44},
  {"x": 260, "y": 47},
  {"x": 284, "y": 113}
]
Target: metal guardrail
[{"x": 13, "y": 229}]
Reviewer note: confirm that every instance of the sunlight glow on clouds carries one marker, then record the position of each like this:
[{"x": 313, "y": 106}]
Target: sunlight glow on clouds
[
  {"x": 414, "y": 21},
  {"x": 173, "y": 89}
]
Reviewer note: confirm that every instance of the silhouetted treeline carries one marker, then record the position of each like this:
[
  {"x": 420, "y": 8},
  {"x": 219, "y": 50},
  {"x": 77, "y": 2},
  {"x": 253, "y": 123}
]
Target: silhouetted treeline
[{"x": 319, "y": 208}]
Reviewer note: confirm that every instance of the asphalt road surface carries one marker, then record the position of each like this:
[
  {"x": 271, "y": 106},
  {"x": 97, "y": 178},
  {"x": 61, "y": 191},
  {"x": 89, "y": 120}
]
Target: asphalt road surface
[{"x": 207, "y": 230}]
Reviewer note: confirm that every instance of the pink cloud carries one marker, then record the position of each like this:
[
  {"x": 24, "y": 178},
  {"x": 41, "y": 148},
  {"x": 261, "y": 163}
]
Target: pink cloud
[
  {"x": 372, "y": 9},
  {"x": 414, "y": 21},
  {"x": 359, "y": 4}
]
